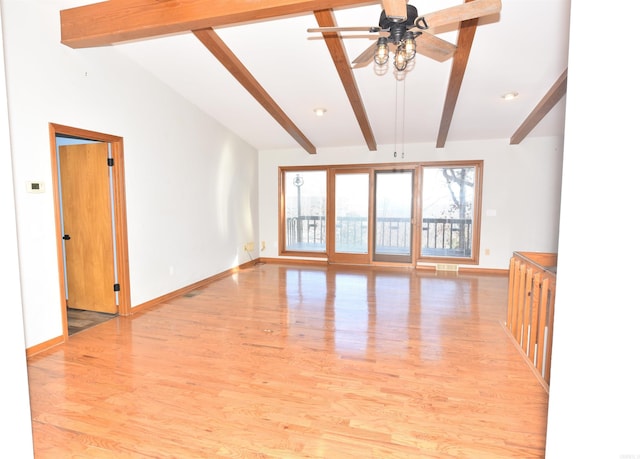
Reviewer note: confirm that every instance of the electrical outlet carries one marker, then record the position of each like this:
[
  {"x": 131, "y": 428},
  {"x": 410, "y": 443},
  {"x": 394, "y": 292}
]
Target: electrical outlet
[
  {"x": 248, "y": 247},
  {"x": 263, "y": 245}
]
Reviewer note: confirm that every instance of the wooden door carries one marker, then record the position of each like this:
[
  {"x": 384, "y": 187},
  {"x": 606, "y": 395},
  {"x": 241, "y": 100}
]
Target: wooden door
[{"x": 87, "y": 227}]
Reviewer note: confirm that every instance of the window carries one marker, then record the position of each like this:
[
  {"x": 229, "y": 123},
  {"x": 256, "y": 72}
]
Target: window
[
  {"x": 382, "y": 213},
  {"x": 305, "y": 202},
  {"x": 450, "y": 212}
]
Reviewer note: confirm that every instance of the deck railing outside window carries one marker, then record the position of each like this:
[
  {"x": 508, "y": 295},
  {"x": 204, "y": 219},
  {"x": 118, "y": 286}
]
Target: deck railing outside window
[{"x": 440, "y": 236}]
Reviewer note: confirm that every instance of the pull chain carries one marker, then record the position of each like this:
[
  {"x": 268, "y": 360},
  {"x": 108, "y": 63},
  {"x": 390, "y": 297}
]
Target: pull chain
[
  {"x": 395, "y": 125},
  {"x": 399, "y": 118},
  {"x": 403, "y": 112}
]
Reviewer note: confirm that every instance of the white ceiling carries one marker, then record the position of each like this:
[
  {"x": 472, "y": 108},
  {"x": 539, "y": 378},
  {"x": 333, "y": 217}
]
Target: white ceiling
[{"x": 525, "y": 49}]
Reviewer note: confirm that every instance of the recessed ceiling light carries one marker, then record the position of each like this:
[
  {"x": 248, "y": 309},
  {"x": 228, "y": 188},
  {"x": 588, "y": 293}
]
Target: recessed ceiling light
[
  {"x": 320, "y": 111},
  {"x": 510, "y": 95}
]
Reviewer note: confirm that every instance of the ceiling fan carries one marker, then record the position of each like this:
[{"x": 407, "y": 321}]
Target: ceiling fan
[{"x": 406, "y": 32}]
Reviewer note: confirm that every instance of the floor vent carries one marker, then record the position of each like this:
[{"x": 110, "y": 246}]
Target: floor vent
[{"x": 447, "y": 267}]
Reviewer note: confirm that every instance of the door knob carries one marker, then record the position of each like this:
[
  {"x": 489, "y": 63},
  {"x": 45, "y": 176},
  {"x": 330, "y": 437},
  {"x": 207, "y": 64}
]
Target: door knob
[{"x": 66, "y": 237}]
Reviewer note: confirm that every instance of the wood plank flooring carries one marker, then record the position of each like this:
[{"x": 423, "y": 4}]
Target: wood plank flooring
[
  {"x": 280, "y": 361},
  {"x": 79, "y": 320}
]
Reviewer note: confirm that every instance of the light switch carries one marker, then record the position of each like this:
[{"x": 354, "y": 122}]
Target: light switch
[{"x": 35, "y": 187}]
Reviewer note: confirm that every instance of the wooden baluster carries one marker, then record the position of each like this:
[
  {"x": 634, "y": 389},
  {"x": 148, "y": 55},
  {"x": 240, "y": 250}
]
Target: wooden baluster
[
  {"x": 522, "y": 292},
  {"x": 516, "y": 296},
  {"x": 534, "y": 343},
  {"x": 552, "y": 300},
  {"x": 526, "y": 308},
  {"x": 544, "y": 308},
  {"x": 511, "y": 297}
]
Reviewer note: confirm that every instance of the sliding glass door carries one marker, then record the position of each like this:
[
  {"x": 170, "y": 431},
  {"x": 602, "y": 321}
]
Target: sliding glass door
[
  {"x": 384, "y": 213},
  {"x": 351, "y": 202},
  {"x": 372, "y": 217},
  {"x": 393, "y": 216}
]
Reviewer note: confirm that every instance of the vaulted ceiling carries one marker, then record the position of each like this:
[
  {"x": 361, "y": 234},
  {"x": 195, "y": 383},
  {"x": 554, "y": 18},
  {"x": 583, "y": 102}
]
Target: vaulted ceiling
[{"x": 254, "y": 67}]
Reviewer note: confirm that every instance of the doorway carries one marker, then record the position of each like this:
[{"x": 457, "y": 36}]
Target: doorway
[
  {"x": 90, "y": 224},
  {"x": 350, "y": 225},
  {"x": 371, "y": 215},
  {"x": 393, "y": 216}
]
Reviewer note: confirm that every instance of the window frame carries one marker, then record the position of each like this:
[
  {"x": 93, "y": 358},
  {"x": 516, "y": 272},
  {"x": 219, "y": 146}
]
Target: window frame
[
  {"x": 282, "y": 211},
  {"x": 476, "y": 226},
  {"x": 417, "y": 257}
]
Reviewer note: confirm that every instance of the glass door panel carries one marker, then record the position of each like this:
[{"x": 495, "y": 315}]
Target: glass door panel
[
  {"x": 393, "y": 216},
  {"x": 352, "y": 213}
]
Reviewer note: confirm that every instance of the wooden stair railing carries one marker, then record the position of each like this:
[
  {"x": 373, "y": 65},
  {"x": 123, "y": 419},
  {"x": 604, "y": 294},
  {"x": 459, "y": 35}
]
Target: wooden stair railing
[{"x": 532, "y": 286}]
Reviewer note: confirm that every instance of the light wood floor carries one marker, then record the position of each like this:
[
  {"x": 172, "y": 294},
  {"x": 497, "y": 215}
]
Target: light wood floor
[
  {"x": 292, "y": 362},
  {"x": 79, "y": 320}
]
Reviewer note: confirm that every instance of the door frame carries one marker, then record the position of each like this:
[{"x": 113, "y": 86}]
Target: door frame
[
  {"x": 368, "y": 258},
  {"x": 395, "y": 259},
  {"x": 120, "y": 217},
  {"x": 341, "y": 257}
]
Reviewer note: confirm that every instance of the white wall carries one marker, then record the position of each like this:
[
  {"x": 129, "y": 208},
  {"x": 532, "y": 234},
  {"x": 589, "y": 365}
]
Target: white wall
[
  {"x": 15, "y": 423},
  {"x": 521, "y": 184},
  {"x": 594, "y": 405},
  {"x": 191, "y": 186}
]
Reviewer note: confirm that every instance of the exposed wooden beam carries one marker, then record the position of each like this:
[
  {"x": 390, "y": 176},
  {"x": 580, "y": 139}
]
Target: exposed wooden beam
[
  {"x": 460, "y": 59},
  {"x": 217, "y": 47},
  {"x": 115, "y": 21},
  {"x": 557, "y": 91},
  {"x": 338, "y": 53}
]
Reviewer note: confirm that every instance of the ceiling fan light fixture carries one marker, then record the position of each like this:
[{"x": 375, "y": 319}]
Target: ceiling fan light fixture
[
  {"x": 405, "y": 50},
  {"x": 382, "y": 51},
  {"x": 400, "y": 61},
  {"x": 409, "y": 41}
]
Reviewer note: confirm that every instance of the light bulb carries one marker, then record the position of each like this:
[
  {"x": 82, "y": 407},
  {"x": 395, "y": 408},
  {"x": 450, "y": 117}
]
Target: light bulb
[
  {"x": 410, "y": 45},
  {"x": 382, "y": 51},
  {"x": 400, "y": 61}
]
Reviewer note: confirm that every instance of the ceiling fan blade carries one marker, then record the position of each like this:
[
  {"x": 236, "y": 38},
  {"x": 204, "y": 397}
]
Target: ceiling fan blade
[
  {"x": 458, "y": 13},
  {"x": 395, "y": 10},
  {"x": 435, "y": 48},
  {"x": 345, "y": 29},
  {"x": 365, "y": 57}
]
